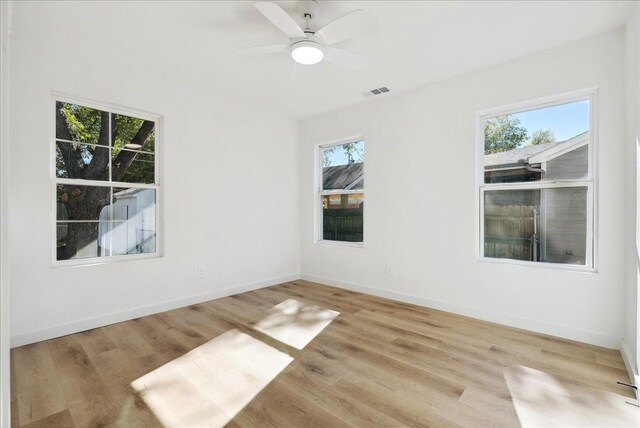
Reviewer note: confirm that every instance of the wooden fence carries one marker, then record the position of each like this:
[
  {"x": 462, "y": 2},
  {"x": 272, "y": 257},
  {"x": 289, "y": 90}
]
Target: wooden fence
[
  {"x": 342, "y": 224},
  {"x": 509, "y": 232}
]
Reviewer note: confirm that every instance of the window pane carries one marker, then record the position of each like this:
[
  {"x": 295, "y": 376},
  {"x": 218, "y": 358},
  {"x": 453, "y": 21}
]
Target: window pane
[
  {"x": 134, "y": 221},
  {"x": 61, "y": 168},
  {"x": 81, "y": 202},
  {"x": 80, "y": 240},
  {"x": 541, "y": 225},
  {"x": 564, "y": 225},
  {"x": 130, "y": 137},
  {"x": 542, "y": 144},
  {"x": 73, "y": 160},
  {"x": 133, "y": 148},
  {"x": 133, "y": 133},
  {"x": 342, "y": 217},
  {"x": 81, "y": 221},
  {"x": 343, "y": 166},
  {"x": 82, "y": 124},
  {"x": 132, "y": 166},
  {"x": 87, "y": 126}
]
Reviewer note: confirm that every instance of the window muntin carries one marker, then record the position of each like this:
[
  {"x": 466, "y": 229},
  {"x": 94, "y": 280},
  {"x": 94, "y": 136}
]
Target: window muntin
[
  {"x": 105, "y": 181},
  {"x": 536, "y": 191},
  {"x": 341, "y": 192}
]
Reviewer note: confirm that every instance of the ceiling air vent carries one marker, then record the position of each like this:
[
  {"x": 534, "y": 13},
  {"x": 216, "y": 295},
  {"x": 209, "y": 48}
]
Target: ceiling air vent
[{"x": 377, "y": 91}]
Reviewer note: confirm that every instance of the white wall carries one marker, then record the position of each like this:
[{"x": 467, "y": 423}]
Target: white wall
[
  {"x": 630, "y": 343},
  {"x": 420, "y": 212},
  {"x": 5, "y": 31},
  {"x": 230, "y": 185}
]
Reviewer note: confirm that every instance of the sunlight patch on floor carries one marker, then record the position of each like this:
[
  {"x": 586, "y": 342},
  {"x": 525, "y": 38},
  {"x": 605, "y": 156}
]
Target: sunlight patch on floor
[
  {"x": 295, "y": 323},
  {"x": 542, "y": 400},
  {"x": 209, "y": 385}
]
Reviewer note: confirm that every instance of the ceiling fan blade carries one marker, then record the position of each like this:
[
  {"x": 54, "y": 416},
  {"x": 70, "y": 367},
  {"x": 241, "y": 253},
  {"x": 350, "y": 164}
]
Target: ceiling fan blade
[
  {"x": 345, "y": 27},
  {"x": 280, "y": 19},
  {"x": 345, "y": 59},
  {"x": 262, "y": 50}
]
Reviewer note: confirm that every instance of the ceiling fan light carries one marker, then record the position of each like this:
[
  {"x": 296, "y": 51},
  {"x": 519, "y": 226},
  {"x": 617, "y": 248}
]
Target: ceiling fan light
[{"x": 307, "y": 53}]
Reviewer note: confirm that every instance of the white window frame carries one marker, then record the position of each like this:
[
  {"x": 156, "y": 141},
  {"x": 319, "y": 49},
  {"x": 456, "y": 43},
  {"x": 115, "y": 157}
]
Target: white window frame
[
  {"x": 55, "y": 181},
  {"x": 319, "y": 193},
  {"x": 590, "y": 181}
]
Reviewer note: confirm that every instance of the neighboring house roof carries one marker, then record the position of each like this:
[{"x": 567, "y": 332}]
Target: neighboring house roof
[
  {"x": 128, "y": 192},
  {"x": 342, "y": 176},
  {"x": 561, "y": 149},
  {"x": 534, "y": 154}
]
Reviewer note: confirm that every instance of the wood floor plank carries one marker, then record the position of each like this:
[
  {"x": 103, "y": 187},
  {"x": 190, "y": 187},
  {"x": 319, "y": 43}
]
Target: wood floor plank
[
  {"x": 37, "y": 383},
  {"x": 159, "y": 337},
  {"x": 197, "y": 319},
  {"x": 567, "y": 370},
  {"x": 117, "y": 378},
  {"x": 284, "y": 406},
  {"x": 254, "y": 300},
  {"x": 388, "y": 371},
  {"x": 96, "y": 341},
  {"x": 15, "y": 413},
  {"x": 378, "y": 363},
  {"x": 428, "y": 358},
  {"x": 289, "y": 290},
  {"x": 500, "y": 403},
  {"x": 410, "y": 411},
  {"x": 339, "y": 404},
  {"x": 15, "y": 410},
  {"x": 86, "y": 395},
  {"x": 61, "y": 419},
  {"x": 611, "y": 361}
]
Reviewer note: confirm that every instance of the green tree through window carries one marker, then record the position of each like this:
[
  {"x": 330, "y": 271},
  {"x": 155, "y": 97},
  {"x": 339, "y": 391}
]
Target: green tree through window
[{"x": 92, "y": 145}]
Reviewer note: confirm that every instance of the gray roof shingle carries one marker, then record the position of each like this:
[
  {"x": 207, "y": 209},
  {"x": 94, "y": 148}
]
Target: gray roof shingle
[
  {"x": 516, "y": 156},
  {"x": 341, "y": 176},
  {"x": 519, "y": 156}
]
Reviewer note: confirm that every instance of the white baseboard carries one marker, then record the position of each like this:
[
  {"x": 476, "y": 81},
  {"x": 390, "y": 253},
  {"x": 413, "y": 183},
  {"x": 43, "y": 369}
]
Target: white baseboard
[
  {"x": 629, "y": 363},
  {"x": 498, "y": 318},
  {"x": 103, "y": 320}
]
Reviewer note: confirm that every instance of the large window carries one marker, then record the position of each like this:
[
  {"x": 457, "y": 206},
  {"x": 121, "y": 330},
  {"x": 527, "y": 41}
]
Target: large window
[
  {"x": 105, "y": 183},
  {"x": 536, "y": 183},
  {"x": 341, "y": 192}
]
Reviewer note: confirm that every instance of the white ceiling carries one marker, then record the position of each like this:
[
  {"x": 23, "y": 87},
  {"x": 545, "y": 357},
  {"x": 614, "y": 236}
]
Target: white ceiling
[{"x": 412, "y": 43}]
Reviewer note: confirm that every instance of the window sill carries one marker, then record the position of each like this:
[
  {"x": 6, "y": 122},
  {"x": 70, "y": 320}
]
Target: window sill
[
  {"x": 538, "y": 265},
  {"x": 95, "y": 261},
  {"x": 340, "y": 244}
]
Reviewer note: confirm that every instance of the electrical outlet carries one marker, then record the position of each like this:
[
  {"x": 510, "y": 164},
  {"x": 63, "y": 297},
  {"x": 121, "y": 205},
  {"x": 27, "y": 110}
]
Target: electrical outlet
[
  {"x": 389, "y": 269},
  {"x": 201, "y": 271}
]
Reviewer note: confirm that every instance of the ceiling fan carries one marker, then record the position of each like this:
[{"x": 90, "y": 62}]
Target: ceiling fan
[{"x": 310, "y": 46}]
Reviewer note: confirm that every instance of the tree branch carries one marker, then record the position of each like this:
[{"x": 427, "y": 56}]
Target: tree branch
[
  {"x": 72, "y": 158},
  {"x": 125, "y": 157},
  {"x": 97, "y": 169}
]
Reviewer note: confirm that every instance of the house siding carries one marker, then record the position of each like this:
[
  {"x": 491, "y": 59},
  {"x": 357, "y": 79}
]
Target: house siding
[
  {"x": 565, "y": 210},
  {"x": 570, "y": 165},
  {"x": 564, "y": 225}
]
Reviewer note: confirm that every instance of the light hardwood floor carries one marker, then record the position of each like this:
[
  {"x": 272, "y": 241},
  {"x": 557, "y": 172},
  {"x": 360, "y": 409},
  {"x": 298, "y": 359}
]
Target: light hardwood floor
[{"x": 236, "y": 361}]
